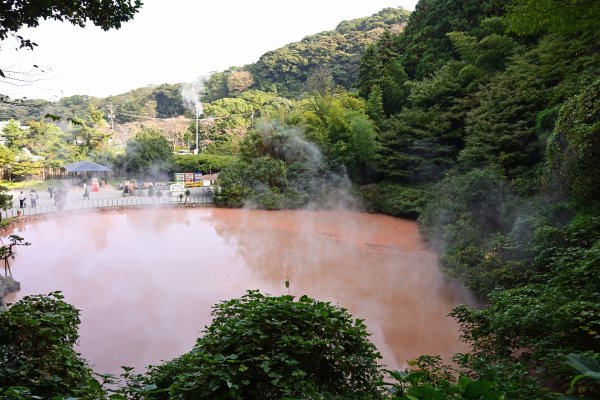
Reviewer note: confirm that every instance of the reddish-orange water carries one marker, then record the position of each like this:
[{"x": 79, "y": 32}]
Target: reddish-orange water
[{"x": 145, "y": 280}]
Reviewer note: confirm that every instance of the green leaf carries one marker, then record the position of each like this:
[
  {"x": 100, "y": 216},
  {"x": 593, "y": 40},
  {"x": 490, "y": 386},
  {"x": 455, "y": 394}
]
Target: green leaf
[
  {"x": 476, "y": 390},
  {"x": 426, "y": 392}
]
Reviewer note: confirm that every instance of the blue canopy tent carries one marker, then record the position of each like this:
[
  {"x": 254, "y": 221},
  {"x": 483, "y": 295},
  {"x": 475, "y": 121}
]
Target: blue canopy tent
[
  {"x": 86, "y": 166},
  {"x": 86, "y": 169}
]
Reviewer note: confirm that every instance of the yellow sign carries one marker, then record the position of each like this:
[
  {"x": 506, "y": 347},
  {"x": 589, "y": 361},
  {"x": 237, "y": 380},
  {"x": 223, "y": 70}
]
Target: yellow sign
[{"x": 194, "y": 184}]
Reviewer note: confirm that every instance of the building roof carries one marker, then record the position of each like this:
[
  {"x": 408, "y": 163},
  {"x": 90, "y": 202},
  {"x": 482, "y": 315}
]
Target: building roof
[{"x": 86, "y": 166}]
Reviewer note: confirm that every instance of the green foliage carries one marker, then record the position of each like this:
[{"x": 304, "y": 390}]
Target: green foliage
[
  {"x": 540, "y": 323},
  {"x": 7, "y": 157},
  {"x": 429, "y": 379},
  {"x": 574, "y": 147},
  {"x": 488, "y": 54},
  {"x": 362, "y": 144},
  {"x": 13, "y": 134},
  {"x": 422, "y": 141},
  {"x": 204, "y": 162},
  {"x": 6, "y": 200},
  {"x": 375, "y": 104},
  {"x": 233, "y": 190},
  {"x": 168, "y": 101},
  {"x": 286, "y": 70},
  {"x": 393, "y": 199},
  {"x": 341, "y": 129},
  {"x": 501, "y": 128},
  {"x": 261, "y": 183},
  {"x": 424, "y": 44},
  {"x": 148, "y": 153},
  {"x": 381, "y": 68},
  {"x": 264, "y": 347},
  {"x": 470, "y": 218},
  {"x": 90, "y": 133},
  {"x": 555, "y": 16},
  {"x": 37, "y": 336},
  {"x": 215, "y": 87},
  {"x": 281, "y": 168},
  {"x": 588, "y": 366}
]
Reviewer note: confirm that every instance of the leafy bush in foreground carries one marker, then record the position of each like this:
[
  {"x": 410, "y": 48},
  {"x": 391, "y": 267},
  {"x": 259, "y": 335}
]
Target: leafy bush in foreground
[
  {"x": 262, "y": 347},
  {"x": 37, "y": 336}
]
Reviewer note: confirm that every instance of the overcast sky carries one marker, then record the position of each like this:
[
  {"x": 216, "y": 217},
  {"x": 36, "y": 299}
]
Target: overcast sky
[{"x": 170, "y": 42}]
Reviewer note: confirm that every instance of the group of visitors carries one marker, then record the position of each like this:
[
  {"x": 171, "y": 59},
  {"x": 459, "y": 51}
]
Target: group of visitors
[
  {"x": 59, "y": 197},
  {"x": 33, "y": 196}
]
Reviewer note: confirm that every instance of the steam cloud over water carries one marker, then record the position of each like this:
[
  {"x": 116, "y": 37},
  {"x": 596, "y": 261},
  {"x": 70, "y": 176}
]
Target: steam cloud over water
[
  {"x": 145, "y": 280},
  {"x": 308, "y": 173}
]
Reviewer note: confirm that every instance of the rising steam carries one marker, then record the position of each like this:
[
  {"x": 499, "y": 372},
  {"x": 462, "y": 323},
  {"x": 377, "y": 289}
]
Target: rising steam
[
  {"x": 190, "y": 92},
  {"x": 309, "y": 174}
]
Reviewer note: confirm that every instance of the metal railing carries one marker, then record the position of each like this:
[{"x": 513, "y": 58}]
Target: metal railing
[{"x": 128, "y": 201}]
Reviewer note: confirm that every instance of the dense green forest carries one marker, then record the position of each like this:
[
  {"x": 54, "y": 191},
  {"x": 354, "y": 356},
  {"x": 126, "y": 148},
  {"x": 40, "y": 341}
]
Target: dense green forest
[{"x": 479, "y": 118}]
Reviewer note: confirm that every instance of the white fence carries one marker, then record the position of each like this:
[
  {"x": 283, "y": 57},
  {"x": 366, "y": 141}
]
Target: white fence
[{"x": 79, "y": 204}]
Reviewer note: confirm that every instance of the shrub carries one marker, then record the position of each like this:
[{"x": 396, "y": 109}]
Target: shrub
[
  {"x": 393, "y": 199},
  {"x": 37, "y": 335},
  {"x": 467, "y": 209},
  {"x": 262, "y": 347}
]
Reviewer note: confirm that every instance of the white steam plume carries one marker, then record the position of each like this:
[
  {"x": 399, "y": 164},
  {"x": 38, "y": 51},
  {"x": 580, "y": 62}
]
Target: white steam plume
[{"x": 190, "y": 92}]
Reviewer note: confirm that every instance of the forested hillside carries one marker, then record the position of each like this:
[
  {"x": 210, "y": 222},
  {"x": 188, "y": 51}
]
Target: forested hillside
[
  {"x": 317, "y": 63},
  {"x": 161, "y": 101},
  {"x": 499, "y": 115},
  {"x": 482, "y": 120}
]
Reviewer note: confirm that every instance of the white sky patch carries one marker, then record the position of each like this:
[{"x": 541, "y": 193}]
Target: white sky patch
[{"x": 172, "y": 41}]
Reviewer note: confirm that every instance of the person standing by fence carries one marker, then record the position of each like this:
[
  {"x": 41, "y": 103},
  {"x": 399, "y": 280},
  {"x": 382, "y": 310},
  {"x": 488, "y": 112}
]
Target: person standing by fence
[
  {"x": 86, "y": 191},
  {"x": 22, "y": 200},
  {"x": 34, "y": 198}
]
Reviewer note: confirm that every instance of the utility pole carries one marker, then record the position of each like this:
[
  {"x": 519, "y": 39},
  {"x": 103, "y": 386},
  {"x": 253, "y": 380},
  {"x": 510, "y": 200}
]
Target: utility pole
[
  {"x": 111, "y": 115},
  {"x": 197, "y": 115}
]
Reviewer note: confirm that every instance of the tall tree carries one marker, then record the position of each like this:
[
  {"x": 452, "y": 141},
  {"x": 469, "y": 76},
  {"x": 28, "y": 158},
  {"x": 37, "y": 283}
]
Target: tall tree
[
  {"x": 148, "y": 152},
  {"x": 363, "y": 143},
  {"x": 501, "y": 128},
  {"x": 424, "y": 44},
  {"x": 91, "y": 132},
  {"x": 423, "y": 140},
  {"x": 239, "y": 81}
]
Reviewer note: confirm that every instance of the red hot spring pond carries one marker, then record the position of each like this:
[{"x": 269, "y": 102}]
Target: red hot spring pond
[{"x": 145, "y": 280}]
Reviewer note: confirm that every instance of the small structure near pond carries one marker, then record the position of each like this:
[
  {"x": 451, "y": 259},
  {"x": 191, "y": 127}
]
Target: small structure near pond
[{"x": 86, "y": 169}]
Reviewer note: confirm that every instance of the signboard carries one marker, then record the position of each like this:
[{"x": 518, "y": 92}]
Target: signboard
[
  {"x": 194, "y": 184},
  {"x": 189, "y": 179}
]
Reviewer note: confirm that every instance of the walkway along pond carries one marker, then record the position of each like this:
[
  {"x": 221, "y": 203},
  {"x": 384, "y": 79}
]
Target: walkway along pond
[{"x": 133, "y": 201}]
